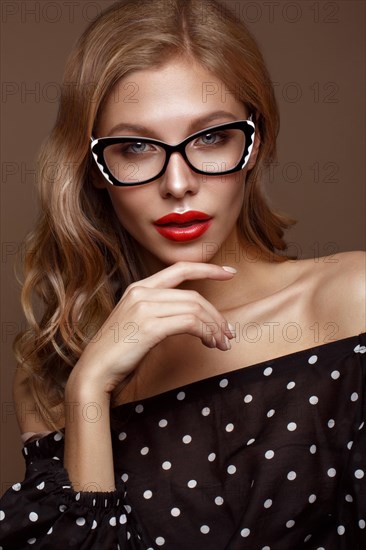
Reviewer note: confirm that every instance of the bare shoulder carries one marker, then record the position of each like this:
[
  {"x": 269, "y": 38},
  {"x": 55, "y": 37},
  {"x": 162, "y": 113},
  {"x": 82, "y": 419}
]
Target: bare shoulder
[
  {"x": 29, "y": 419},
  {"x": 340, "y": 291}
]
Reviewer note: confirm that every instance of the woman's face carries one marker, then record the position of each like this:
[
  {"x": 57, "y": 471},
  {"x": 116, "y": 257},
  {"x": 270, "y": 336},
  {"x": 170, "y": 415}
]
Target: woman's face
[{"x": 169, "y": 104}]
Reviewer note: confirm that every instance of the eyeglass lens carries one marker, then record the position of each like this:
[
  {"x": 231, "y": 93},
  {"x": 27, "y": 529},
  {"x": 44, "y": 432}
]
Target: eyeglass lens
[{"x": 212, "y": 152}]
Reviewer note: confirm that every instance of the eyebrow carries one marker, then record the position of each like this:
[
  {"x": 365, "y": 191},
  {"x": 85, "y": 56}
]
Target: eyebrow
[{"x": 195, "y": 124}]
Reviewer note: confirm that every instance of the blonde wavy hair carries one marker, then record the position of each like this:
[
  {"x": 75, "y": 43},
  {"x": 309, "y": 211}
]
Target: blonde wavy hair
[{"x": 79, "y": 259}]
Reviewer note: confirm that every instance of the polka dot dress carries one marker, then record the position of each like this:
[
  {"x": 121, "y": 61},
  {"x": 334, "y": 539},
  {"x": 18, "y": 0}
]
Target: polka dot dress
[{"x": 267, "y": 457}]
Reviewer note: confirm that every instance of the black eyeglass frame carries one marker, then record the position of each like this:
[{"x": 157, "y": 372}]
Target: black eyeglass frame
[{"x": 98, "y": 145}]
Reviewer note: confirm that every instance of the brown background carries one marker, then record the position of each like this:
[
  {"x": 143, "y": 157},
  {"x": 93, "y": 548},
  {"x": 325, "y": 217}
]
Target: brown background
[{"x": 315, "y": 52}]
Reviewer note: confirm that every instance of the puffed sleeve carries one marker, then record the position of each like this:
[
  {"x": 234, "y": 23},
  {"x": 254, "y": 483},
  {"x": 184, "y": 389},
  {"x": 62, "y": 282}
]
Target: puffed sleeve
[
  {"x": 352, "y": 496},
  {"x": 45, "y": 512}
]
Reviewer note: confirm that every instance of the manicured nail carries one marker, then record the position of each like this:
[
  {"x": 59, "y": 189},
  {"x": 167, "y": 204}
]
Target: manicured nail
[
  {"x": 232, "y": 329},
  {"x": 229, "y": 269},
  {"x": 227, "y": 342}
]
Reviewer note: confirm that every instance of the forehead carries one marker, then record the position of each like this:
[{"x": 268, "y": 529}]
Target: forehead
[{"x": 168, "y": 97}]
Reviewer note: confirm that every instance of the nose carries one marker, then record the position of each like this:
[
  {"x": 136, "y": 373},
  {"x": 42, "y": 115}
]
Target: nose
[{"x": 178, "y": 178}]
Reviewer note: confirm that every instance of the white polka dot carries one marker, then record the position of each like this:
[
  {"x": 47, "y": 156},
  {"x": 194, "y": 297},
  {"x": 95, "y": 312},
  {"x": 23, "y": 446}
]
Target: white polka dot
[
  {"x": 341, "y": 530},
  {"x": 219, "y": 501},
  {"x": 313, "y": 400},
  {"x": 362, "y": 524},
  {"x": 192, "y": 483},
  {"x": 166, "y": 465},
  {"x": 361, "y": 425},
  {"x": 127, "y": 508},
  {"x": 268, "y": 503},
  {"x": 33, "y": 516},
  {"x": 331, "y": 472},
  {"x": 335, "y": 374},
  {"x": 307, "y": 538},
  {"x": 181, "y": 395},
  {"x": 2, "y": 515},
  {"x": 231, "y": 469},
  {"x": 144, "y": 450},
  {"x": 291, "y": 476},
  {"x": 229, "y": 427},
  {"x": 205, "y": 411},
  {"x": 248, "y": 398},
  {"x": 25, "y": 450},
  {"x": 57, "y": 437},
  {"x": 147, "y": 494},
  {"x": 270, "y": 413},
  {"x": 49, "y": 531},
  {"x": 349, "y": 498},
  {"x": 245, "y": 532},
  {"x": 269, "y": 454},
  {"x": 31, "y": 541},
  {"x": 113, "y": 521},
  {"x": 204, "y": 529},
  {"x": 160, "y": 541},
  {"x": 313, "y": 449},
  {"x": 41, "y": 486},
  {"x": 139, "y": 408},
  {"x": 122, "y": 436},
  {"x": 211, "y": 457},
  {"x": 123, "y": 519},
  {"x": 163, "y": 423},
  {"x": 291, "y": 426},
  {"x": 291, "y": 385},
  {"x": 80, "y": 521},
  {"x": 266, "y": 548},
  {"x": 313, "y": 359},
  {"x": 268, "y": 371},
  {"x": 16, "y": 487},
  {"x": 250, "y": 441},
  {"x": 124, "y": 477},
  {"x": 223, "y": 383},
  {"x": 175, "y": 512},
  {"x": 290, "y": 523},
  {"x": 77, "y": 496},
  {"x": 331, "y": 423},
  {"x": 359, "y": 474},
  {"x": 94, "y": 526},
  {"x": 62, "y": 507},
  {"x": 349, "y": 445},
  {"x": 354, "y": 396},
  {"x": 187, "y": 439},
  {"x": 312, "y": 498}
]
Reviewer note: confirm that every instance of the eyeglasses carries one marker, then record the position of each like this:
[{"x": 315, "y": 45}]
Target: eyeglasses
[{"x": 128, "y": 161}]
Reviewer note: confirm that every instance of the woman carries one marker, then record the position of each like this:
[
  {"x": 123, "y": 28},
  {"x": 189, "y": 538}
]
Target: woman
[{"x": 180, "y": 402}]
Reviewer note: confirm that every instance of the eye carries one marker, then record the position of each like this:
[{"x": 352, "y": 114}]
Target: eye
[
  {"x": 137, "y": 147},
  {"x": 211, "y": 138}
]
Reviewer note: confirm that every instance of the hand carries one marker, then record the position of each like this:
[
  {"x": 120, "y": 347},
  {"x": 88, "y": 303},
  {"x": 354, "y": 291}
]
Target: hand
[{"x": 156, "y": 309}]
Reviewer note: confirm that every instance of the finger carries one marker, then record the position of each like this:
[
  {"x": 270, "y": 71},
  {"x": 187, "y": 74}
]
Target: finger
[
  {"x": 219, "y": 325},
  {"x": 209, "y": 324},
  {"x": 175, "y": 274},
  {"x": 185, "y": 324}
]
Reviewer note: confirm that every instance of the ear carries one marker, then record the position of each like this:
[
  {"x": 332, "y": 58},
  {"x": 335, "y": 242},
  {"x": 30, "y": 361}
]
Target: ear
[{"x": 254, "y": 153}]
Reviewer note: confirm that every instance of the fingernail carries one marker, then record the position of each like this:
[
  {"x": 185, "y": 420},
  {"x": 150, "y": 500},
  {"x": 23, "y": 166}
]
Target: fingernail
[
  {"x": 227, "y": 342},
  {"x": 213, "y": 342},
  {"x": 232, "y": 328},
  {"x": 229, "y": 268}
]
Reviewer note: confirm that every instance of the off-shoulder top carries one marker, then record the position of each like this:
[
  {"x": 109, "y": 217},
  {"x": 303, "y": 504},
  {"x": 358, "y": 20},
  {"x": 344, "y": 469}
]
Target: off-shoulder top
[{"x": 266, "y": 457}]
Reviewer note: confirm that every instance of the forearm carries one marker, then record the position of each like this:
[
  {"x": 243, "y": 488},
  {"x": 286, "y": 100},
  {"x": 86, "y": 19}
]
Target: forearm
[{"x": 88, "y": 456}]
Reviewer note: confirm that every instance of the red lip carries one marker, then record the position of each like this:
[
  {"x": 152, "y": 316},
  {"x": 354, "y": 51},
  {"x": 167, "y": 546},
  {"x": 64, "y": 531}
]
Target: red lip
[
  {"x": 183, "y": 227},
  {"x": 174, "y": 217}
]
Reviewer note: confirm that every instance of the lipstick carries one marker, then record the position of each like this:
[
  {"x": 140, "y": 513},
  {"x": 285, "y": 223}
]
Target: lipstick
[{"x": 183, "y": 227}]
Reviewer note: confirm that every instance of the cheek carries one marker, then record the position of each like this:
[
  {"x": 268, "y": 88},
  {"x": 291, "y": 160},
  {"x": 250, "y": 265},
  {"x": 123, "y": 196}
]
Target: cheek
[{"x": 128, "y": 205}]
